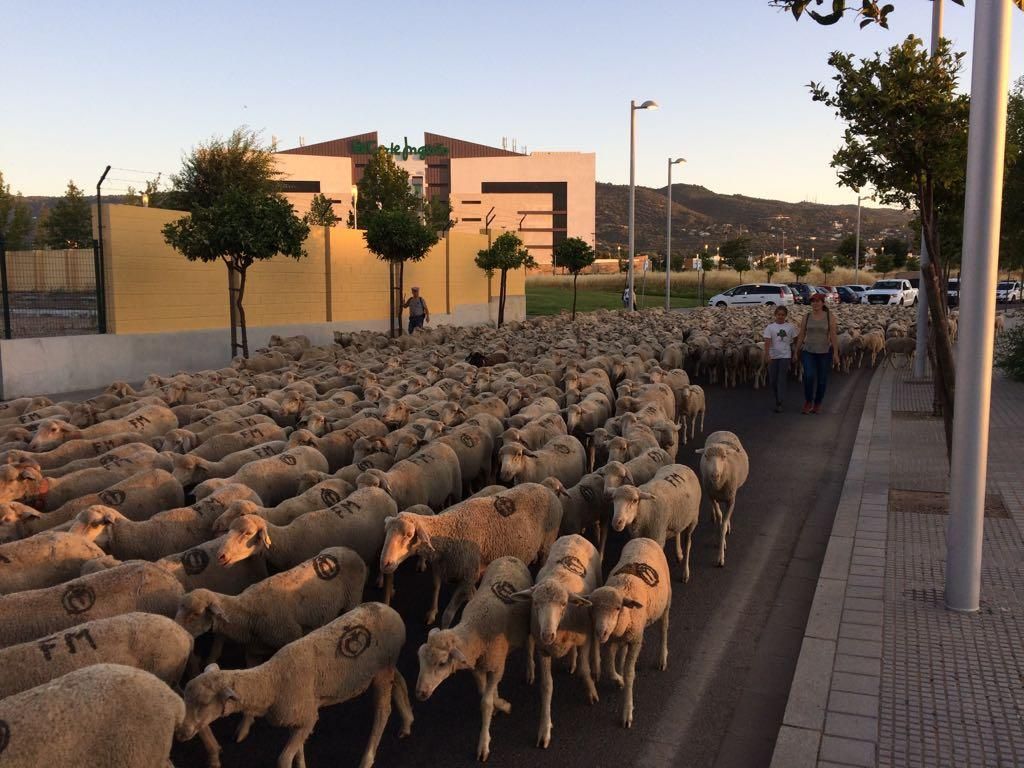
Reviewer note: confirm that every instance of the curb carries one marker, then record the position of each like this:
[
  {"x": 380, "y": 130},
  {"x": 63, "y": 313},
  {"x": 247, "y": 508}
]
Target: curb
[{"x": 832, "y": 709}]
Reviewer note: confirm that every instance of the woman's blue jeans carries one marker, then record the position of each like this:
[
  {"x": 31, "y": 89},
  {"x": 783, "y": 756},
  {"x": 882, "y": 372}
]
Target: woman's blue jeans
[{"x": 816, "y": 367}]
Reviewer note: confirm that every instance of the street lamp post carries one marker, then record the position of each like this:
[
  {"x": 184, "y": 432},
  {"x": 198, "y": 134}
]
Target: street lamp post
[
  {"x": 856, "y": 247},
  {"x": 355, "y": 207},
  {"x": 668, "y": 235},
  {"x": 633, "y": 107}
]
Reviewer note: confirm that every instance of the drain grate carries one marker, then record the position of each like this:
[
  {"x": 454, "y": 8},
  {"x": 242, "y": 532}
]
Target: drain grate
[{"x": 933, "y": 503}]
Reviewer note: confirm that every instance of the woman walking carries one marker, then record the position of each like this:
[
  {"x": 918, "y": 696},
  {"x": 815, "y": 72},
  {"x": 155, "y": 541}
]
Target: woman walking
[{"x": 818, "y": 349}]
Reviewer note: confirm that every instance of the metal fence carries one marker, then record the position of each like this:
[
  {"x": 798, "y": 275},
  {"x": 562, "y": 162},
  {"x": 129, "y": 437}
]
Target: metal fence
[{"x": 51, "y": 292}]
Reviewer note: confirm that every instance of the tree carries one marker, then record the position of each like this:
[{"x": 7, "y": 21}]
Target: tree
[
  {"x": 913, "y": 264},
  {"x": 827, "y": 265},
  {"x": 236, "y": 215},
  {"x": 770, "y": 265},
  {"x": 884, "y": 264},
  {"x": 384, "y": 187},
  {"x": 735, "y": 248},
  {"x": 397, "y": 236},
  {"x": 1011, "y": 251},
  {"x": 575, "y": 255},
  {"x": 844, "y": 261},
  {"x": 741, "y": 264},
  {"x": 15, "y": 218},
  {"x": 154, "y": 198},
  {"x": 69, "y": 223},
  {"x": 321, "y": 211},
  {"x": 800, "y": 268},
  {"x": 906, "y": 136},
  {"x": 506, "y": 252},
  {"x": 898, "y": 248},
  {"x": 870, "y": 11},
  {"x": 847, "y": 247}
]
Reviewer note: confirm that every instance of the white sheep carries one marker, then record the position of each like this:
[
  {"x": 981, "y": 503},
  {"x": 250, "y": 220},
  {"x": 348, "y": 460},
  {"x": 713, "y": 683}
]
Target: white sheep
[
  {"x": 724, "y": 467},
  {"x": 636, "y": 471},
  {"x": 637, "y": 593},
  {"x": 693, "y": 405},
  {"x": 432, "y": 476},
  {"x": 330, "y": 665},
  {"x": 142, "y": 640},
  {"x": 325, "y": 493},
  {"x": 43, "y": 560},
  {"x": 104, "y": 714},
  {"x": 559, "y": 621},
  {"x": 563, "y": 457},
  {"x": 274, "y": 479},
  {"x": 191, "y": 469},
  {"x": 667, "y": 506},
  {"x": 492, "y": 624}
]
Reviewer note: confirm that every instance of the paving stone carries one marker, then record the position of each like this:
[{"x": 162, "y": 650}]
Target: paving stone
[
  {"x": 861, "y": 632},
  {"x": 796, "y": 748},
  {"x": 853, "y": 703},
  {"x": 808, "y": 694},
  {"x": 851, "y": 726},
  {"x": 848, "y": 751},
  {"x": 845, "y": 681},
  {"x": 860, "y": 665},
  {"x": 827, "y": 608}
]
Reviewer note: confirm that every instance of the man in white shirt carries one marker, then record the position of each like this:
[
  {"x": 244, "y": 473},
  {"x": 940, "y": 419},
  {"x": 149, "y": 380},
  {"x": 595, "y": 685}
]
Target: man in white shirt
[{"x": 779, "y": 338}]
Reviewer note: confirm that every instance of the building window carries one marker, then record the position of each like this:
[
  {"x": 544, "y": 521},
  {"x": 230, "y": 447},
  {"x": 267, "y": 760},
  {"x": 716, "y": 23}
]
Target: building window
[
  {"x": 471, "y": 202},
  {"x": 470, "y": 218}
]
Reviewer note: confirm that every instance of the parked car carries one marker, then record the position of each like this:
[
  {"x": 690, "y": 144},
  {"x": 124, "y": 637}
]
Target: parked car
[
  {"x": 833, "y": 294},
  {"x": 847, "y": 295},
  {"x": 768, "y": 294},
  {"x": 953, "y": 291},
  {"x": 1008, "y": 291},
  {"x": 858, "y": 290},
  {"x": 802, "y": 291},
  {"x": 898, "y": 291}
]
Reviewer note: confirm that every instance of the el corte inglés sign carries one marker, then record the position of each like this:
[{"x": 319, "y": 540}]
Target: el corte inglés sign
[{"x": 405, "y": 149}]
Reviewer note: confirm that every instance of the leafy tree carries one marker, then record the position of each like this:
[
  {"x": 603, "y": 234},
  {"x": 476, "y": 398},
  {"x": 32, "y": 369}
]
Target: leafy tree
[
  {"x": 384, "y": 187},
  {"x": 575, "y": 255},
  {"x": 913, "y": 263},
  {"x": 844, "y": 261},
  {"x": 69, "y": 223},
  {"x": 884, "y": 264},
  {"x": 437, "y": 214},
  {"x": 506, "y": 252},
  {"x": 800, "y": 268},
  {"x": 898, "y": 248},
  {"x": 15, "y": 218},
  {"x": 847, "y": 247},
  {"x": 735, "y": 248},
  {"x": 1011, "y": 251},
  {"x": 870, "y": 11},
  {"x": 321, "y": 211},
  {"x": 741, "y": 264},
  {"x": 236, "y": 215},
  {"x": 770, "y": 265},
  {"x": 827, "y": 265},
  {"x": 906, "y": 136},
  {"x": 707, "y": 261},
  {"x": 154, "y": 198},
  {"x": 397, "y": 236}
]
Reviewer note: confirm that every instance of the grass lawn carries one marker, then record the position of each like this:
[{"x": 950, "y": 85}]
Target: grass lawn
[{"x": 550, "y": 300}]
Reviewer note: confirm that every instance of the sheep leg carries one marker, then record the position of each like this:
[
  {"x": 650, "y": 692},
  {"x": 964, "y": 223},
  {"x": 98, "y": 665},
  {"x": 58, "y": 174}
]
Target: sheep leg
[
  {"x": 604, "y": 540},
  {"x": 702, "y": 422},
  {"x": 595, "y": 652},
  {"x": 572, "y": 660},
  {"x": 432, "y": 613},
  {"x": 613, "y": 664},
  {"x": 682, "y": 431},
  {"x": 216, "y": 649},
  {"x": 663, "y": 661},
  {"x": 293, "y": 753},
  {"x": 383, "y": 683},
  {"x": 531, "y": 666},
  {"x": 588, "y": 679},
  {"x": 689, "y": 545},
  {"x": 546, "y": 687},
  {"x": 462, "y": 595},
  {"x": 400, "y": 697},
  {"x": 244, "y": 727},
  {"x": 630, "y": 676},
  {"x": 679, "y": 547},
  {"x": 212, "y": 746},
  {"x": 389, "y": 587}
]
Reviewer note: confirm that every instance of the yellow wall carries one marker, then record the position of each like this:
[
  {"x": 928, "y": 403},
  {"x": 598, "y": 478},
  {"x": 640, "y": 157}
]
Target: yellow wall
[
  {"x": 151, "y": 288},
  {"x": 57, "y": 270}
]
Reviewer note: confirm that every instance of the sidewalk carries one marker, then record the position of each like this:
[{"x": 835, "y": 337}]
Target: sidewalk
[{"x": 886, "y": 675}]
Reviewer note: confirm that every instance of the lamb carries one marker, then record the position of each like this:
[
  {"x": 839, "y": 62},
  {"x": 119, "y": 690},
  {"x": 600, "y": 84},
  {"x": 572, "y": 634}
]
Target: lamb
[
  {"x": 666, "y": 506},
  {"x": 129, "y": 587},
  {"x": 168, "y": 532},
  {"x": 142, "y": 640},
  {"x": 148, "y": 421},
  {"x": 274, "y": 479},
  {"x": 559, "y": 621},
  {"x": 432, "y": 477},
  {"x": 492, "y": 624},
  {"x": 474, "y": 447},
  {"x": 693, "y": 404},
  {"x": 900, "y": 345},
  {"x": 537, "y": 433},
  {"x": 585, "y": 508},
  {"x": 563, "y": 457},
  {"x": 43, "y": 561},
  {"x": 328, "y": 666},
  {"x": 191, "y": 469},
  {"x": 461, "y": 542},
  {"x": 637, "y": 593},
  {"x": 724, "y": 467},
  {"x": 635, "y": 471},
  {"x": 324, "y": 494},
  {"x": 104, "y": 714},
  {"x": 282, "y": 608}
]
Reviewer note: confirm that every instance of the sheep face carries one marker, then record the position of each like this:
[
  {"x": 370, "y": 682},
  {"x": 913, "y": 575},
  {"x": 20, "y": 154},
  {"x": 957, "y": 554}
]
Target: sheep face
[
  {"x": 314, "y": 422},
  {"x": 94, "y": 524},
  {"x": 626, "y": 504},
  {"x": 373, "y": 478},
  {"x": 188, "y": 470},
  {"x": 207, "y": 698},
  {"x": 178, "y": 441},
  {"x": 234, "y": 511},
  {"x": 609, "y": 612},
  {"x": 49, "y": 434},
  {"x": 618, "y": 449},
  {"x": 83, "y": 415},
  {"x": 550, "y": 601},
  {"x": 12, "y": 514},
  {"x": 197, "y": 611},
  {"x": 247, "y": 536},
  {"x": 439, "y": 657},
  {"x": 573, "y": 417},
  {"x": 714, "y": 464},
  {"x": 18, "y": 481},
  {"x": 407, "y": 446},
  {"x": 513, "y": 460},
  {"x": 402, "y": 538}
]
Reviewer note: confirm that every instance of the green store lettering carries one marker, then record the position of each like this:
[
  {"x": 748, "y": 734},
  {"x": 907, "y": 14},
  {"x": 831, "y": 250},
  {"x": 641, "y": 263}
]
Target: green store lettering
[{"x": 427, "y": 150}]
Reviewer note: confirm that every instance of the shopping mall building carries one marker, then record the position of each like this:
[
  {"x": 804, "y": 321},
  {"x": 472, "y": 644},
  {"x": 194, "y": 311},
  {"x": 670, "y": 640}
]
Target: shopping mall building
[{"x": 545, "y": 197}]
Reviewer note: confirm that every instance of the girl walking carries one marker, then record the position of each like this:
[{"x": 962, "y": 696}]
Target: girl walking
[
  {"x": 778, "y": 347},
  {"x": 818, "y": 347}
]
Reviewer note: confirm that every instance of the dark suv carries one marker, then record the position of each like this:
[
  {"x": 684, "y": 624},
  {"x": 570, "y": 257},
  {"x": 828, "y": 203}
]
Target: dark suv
[{"x": 801, "y": 292}]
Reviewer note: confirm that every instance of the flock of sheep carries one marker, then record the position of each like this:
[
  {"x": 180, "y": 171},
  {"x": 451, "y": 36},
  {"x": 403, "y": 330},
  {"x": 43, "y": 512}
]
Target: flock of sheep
[{"x": 243, "y": 510}]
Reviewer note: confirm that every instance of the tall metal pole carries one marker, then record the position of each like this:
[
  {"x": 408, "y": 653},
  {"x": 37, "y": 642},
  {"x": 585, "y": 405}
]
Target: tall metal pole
[
  {"x": 856, "y": 249},
  {"x": 990, "y": 81},
  {"x": 632, "y": 199},
  {"x": 921, "y": 358},
  {"x": 668, "y": 241}
]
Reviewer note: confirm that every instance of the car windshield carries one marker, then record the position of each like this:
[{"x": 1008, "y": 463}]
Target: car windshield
[
  {"x": 857, "y": 288},
  {"x": 1004, "y": 286},
  {"x": 887, "y": 285},
  {"x": 954, "y": 285}
]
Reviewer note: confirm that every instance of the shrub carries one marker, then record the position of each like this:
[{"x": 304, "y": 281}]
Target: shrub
[{"x": 1010, "y": 353}]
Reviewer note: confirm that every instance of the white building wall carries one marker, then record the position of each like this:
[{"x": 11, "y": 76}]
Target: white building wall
[{"x": 333, "y": 173}]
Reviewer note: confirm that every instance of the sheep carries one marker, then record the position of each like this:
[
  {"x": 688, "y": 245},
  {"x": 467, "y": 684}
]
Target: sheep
[
  {"x": 43, "y": 561},
  {"x": 724, "y": 467},
  {"x": 226, "y": 422},
  {"x": 639, "y": 439},
  {"x": 338, "y": 447},
  {"x": 190, "y": 469},
  {"x": 563, "y": 457},
  {"x": 129, "y": 587},
  {"x": 381, "y": 461},
  {"x": 202, "y": 568},
  {"x": 536, "y": 409},
  {"x": 590, "y": 413},
  {"x": 635, "y": 471},
  {"x": 537, "y": 433},
  {"x": 666, "y": 506},
  {"x": 1000, "y": 324},
  {"x": 431, "y": 476},
  {"x": 474, "y": 447},
  {"x": 27, "y": 482},
  {"x": 148, "y": 421},
  {"x": 220, "y": 446},
  {"x": 104, "y": 714},
  {"x": 694, "y": 404},
  {"x": 142, "y": 454},
  {"x": 13, "y": 516},
  {"x": 324, "y": 494},
  {"x": 585, "y": 508},
  {"x": 559, "y": 622},
  {"x": 330, "y": 665},
  {"x": 142, "y": 640},
  {"x": 167, "y": 532},
  {"x": 900, "y": 345},
  {"x": 461, "y": 542},
  {"x": 492, "y": 624},
  {"x": 637, "y": 593},
  {"x": 274, "y": 479},
  {"x": 282, "y": 608},
  {"x": 873, "y": 344}
]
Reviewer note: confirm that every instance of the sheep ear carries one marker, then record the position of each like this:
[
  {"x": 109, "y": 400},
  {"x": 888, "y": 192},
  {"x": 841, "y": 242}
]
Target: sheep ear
[
  {"x": 645, "y": 495},
  {"x": 531, "y": 454},
  {"x": 217, "y": 611},
  {"x": 699, "y": 451},
  {"x": 388, "y": 520},
  {"x": 423, "y": 540},
  {"x": 628, "y": 602},
  {"x": 212, "y": 668},
  {"x": 265, "y": 537},
  {"x": 460, "y": 657},
  {"x": 227, "y": 693},
  {"x": 580, "y": 600},
  {"x": 523, "y": 596},
  {"x": 628, "y": 476}
]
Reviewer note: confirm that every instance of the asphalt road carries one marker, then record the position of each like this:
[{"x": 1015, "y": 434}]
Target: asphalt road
[{"x": 735, "y": 631}]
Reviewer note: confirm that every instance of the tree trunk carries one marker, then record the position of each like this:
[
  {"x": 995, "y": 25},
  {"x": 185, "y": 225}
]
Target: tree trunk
[
  {"x": 574, "y": 276},
  {"x": 241, "y": 312},
  {"x": 232, "y": 308},
  {"x": 391, "y": 298},
  {"x": 400, "y": 295},
  {"x": 501, "y": 297},
  {"x": 945, "y": 363}
]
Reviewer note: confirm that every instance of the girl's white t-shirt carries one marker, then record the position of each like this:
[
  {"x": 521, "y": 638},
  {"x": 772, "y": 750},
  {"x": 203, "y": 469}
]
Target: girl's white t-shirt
[{"x": 782, "y": 336}]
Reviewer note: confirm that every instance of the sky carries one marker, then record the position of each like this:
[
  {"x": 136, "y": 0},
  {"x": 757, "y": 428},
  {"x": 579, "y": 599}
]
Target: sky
[{"x": 136, "y": 85}]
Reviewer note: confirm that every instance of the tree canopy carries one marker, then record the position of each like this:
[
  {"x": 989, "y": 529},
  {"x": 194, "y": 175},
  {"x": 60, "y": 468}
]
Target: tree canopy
[
  {"x": 15, "y": 218},
  {"x": 899, "y": 248},
  {"x": 800, "y": 268},
  {"x": 397, "y": 235},
  {"x": 321, "y": 211},
  {"x": 69, "y": 223},
  {"x": 827, "y": 264},
  {"x": 869, "y": 11},
  {"x": 504, "y": 254},
  {"x": 735, "y": 248},
  {"x": 575, "y": 255}
]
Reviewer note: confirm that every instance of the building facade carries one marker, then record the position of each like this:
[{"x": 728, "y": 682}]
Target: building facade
[{"x": 545, "y": 197}]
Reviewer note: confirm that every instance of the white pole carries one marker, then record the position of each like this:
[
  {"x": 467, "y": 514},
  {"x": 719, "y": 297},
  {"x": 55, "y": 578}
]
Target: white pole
[
  {"x": 921, "y": 358},
  {"x": 856, "y": 249},
  {"x": 632, "y": 199},
  {"x": 668, "y": 242},
  {"x": 979, "y": 272}
]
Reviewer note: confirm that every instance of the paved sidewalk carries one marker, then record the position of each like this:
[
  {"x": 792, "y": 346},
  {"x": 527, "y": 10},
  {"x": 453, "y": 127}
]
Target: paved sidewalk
[{"x": 886, "y": 675}]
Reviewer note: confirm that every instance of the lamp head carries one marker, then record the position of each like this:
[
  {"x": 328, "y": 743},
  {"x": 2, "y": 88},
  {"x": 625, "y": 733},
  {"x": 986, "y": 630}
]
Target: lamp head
[
  {"x": 647, "y": 105},
  {"x": 676, "y": 161}
]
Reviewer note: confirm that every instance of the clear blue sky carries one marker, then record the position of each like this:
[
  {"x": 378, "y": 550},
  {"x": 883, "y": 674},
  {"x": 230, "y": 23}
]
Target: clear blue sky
[{"x": 136, "y": 84}]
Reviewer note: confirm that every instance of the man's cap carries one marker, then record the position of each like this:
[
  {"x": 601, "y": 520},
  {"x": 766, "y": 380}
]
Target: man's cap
[{"x": 415, "y": 287}]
